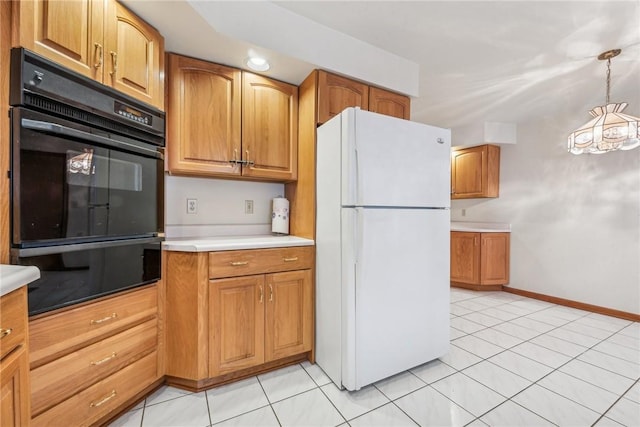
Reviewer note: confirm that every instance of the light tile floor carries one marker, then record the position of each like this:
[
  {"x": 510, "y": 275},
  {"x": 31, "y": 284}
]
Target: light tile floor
[{"x": 513, "y": 361}]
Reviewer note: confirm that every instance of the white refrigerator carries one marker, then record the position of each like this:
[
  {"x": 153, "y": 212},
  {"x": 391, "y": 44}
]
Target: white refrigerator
[{"x": 382, "y": 246}]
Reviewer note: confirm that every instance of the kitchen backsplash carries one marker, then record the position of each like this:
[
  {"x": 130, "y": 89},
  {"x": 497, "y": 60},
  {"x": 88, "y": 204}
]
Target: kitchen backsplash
[{"x": 220, "y": 206}]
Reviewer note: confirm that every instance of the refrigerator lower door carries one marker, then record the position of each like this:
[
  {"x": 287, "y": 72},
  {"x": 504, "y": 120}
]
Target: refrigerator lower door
[{"x": 395, "y": 304}]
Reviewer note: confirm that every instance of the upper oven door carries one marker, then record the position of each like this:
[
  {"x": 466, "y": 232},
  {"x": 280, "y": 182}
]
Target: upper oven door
[{"x": 73, "y": 184}]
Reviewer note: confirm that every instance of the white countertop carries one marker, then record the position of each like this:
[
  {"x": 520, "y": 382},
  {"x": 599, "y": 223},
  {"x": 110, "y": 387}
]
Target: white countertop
[
  {"x": 481, "y": 227},
  {"x": 231, "y": 243},
  {"x": 14, "y": 276}
]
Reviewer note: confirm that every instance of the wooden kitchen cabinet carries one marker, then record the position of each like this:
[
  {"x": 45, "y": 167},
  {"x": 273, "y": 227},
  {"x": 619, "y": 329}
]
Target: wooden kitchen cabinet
[
  {"x": 237, "y": 313},
  {"x": 98, "y": 39},
  {"x": 269, "y": 128},
  {"x": 92, "y": 360},
  {"x": 223, "y": 122},
  {"x": 14, "y": 360},
  {"x": 335, "y": 93},
  {"x": 203, "y": 117},
  {"x": 475, "y": 172},
  {"x": 479, "y": 260},
  {"x": 389, "y": 103}
]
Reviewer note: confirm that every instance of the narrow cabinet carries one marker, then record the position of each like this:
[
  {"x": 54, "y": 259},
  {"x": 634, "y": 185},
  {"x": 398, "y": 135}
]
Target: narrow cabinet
[
  {"x": 203, "y": 117},
  {"x": 475, "y": 172},
  {"x": 236, "y": 323},
  {"x": 99, "y": 39},
  {"x": 135, "y": 54},
  {"x": 269, "y": 128},
  {"x": 14, "y": 360}
]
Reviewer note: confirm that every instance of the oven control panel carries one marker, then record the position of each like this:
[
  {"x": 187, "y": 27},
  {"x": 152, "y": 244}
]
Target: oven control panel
[{"x": 132, "y": 114}]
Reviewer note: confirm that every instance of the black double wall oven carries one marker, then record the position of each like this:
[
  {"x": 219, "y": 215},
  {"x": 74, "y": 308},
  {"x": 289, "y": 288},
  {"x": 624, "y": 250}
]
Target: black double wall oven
[{"x": 86, "y": 184}]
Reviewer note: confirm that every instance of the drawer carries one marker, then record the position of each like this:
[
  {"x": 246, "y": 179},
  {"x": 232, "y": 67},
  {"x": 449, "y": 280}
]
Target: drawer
[
  {"x": 51, "y": 337},
  {"x": 58, "y": 380},
  {"x": 95, "y": 402},
  {"x": 256, "y": 261},
  {"x": 13, "y": 320}
]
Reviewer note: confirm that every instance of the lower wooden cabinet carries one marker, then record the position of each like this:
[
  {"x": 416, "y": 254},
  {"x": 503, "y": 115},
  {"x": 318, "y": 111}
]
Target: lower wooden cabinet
[
  {"x": 14, "y": 360},
  {"x": 479, "y": 259},
  {"x": 232, "y": 312},
  {"x": 92, "y": 360}
]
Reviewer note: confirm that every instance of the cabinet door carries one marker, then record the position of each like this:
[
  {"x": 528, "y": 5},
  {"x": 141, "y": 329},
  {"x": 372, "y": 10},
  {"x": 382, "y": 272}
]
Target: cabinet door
[
  {"x": 14, "y": 389},
  {"x": 67, "y": 32},
  {"x": 236, "y": 324},
  {"x": 134, "y": 56},
  {"x": 389, "y": 103},
  {"x": 467, "y": 173},
  {"x": 289, "y": 315},
  {"x": 269, "y": 128},
  {"x": 465, "y": 257},
  {"x": 336, "y": 93},
  {"x": 475, "y": 172},
  {"x": 203, "y": 117},
  {"x": 494, "y": 259}
]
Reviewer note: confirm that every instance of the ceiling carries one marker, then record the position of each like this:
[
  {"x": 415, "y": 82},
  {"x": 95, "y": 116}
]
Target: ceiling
[{"x": 472, "y": 62}]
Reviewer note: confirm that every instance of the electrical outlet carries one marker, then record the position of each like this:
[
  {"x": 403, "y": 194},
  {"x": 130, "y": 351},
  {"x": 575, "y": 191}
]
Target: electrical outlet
[
  {"x": 248, "y": 207},
  {"x": 192, "y": 206}
]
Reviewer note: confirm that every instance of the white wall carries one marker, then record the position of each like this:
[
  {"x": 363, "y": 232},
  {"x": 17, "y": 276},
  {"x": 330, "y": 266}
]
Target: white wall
[
  {"x": 220, "y": 206},
  {"x": 575, "y": 219}
]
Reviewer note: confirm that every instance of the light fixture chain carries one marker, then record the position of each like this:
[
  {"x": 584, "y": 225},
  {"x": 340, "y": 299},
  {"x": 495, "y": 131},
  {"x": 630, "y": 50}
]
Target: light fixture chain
[{"x": 608, "y": 78}]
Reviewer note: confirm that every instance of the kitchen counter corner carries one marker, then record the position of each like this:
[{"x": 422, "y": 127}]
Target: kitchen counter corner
[
  {"x": 13, "y": 277},
  {"x": 232, "y": 243}
]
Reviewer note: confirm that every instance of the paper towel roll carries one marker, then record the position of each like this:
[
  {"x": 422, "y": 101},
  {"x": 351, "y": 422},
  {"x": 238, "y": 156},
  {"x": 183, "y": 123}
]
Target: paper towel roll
[{"x": 280, "y": 216}]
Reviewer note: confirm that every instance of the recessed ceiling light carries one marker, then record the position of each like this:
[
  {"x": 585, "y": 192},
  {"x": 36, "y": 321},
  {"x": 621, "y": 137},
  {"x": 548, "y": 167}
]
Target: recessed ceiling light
[{"x": 258, "y": 64}]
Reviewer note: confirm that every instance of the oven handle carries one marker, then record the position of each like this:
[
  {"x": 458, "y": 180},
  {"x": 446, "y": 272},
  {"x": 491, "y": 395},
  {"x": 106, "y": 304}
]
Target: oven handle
[
  {"x": 74, "y": 133},
  {"x": 59, "y": 249}
]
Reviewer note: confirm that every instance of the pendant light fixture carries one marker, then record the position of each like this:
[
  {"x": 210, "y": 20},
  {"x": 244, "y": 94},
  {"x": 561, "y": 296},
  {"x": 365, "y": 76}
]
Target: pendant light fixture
[{"x": 609, "y": 130}]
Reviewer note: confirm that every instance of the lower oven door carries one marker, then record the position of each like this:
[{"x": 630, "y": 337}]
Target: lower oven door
[
  {"x": 71, "y": 274},
  {"x": 72, "y": 183}
]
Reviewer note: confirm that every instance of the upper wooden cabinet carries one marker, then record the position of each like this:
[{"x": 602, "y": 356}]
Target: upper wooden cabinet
[
  {"x": 475, "y": 172},
  {"x": 228, "y": 123},
  {"x": 99, "y": 39},
  {"x": 335, "y": 93},
  {"x": 388, "y": 103},
  {"x": 203, "y": 117},
  {"x": 269, "y": 128}
]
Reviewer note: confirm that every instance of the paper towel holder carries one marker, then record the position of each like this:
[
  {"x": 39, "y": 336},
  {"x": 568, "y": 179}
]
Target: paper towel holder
[{"x": 280, "y": 216}]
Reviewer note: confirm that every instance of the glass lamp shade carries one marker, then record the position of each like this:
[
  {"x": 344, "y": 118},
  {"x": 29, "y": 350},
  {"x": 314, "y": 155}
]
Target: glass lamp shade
[{"x": 609, "y": 130}]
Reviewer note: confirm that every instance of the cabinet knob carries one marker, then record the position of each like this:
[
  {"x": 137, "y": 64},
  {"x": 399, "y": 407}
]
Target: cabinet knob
[{"x": 5, "y": 332}]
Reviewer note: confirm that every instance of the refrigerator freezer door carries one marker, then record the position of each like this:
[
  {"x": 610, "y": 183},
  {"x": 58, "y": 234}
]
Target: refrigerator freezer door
[
  {"x": 392, "y": 162},
  {"x": 395, "y": 310}
]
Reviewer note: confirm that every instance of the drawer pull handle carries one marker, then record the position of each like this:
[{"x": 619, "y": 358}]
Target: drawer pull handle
[
  {"x": 100, "y": 402},
  {"x": 291, "y": 259},
  {"x": 5, "y": 332},
  {"x": 270, "y": 292},
  {"x": 104, "y": 319},
  {"x": 261, "y": 293},
  {"x": 106, "y": 359},
  {"x": 238, "y": 263}
]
